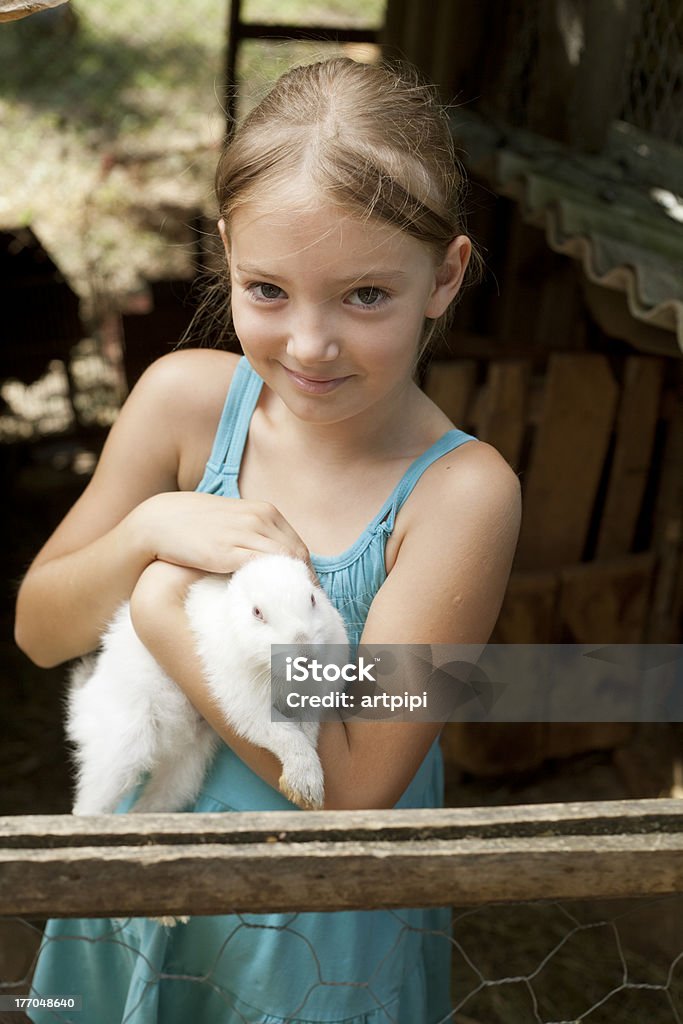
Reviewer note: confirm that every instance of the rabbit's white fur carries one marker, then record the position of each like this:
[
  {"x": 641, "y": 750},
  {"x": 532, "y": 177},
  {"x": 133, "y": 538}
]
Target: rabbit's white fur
[{"x": 126, "y": 717}]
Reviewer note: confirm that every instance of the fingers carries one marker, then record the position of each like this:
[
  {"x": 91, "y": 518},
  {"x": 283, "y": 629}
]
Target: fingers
[{"x": 217, "y": 534}]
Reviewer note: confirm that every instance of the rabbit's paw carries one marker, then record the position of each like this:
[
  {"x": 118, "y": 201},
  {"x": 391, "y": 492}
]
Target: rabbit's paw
[
  {"x": 171, "y": 922},
  {"x": 83, "y": 808},
  {"x": 303, "y": 784}
]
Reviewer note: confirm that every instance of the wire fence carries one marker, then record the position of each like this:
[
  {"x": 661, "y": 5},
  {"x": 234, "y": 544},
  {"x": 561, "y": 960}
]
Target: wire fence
[
  {"x": 653, "y": 81},
  {"x": 550, "y": 963},
  {"x": 650, "y": 86},
  {"x": 585, "y": 949}
]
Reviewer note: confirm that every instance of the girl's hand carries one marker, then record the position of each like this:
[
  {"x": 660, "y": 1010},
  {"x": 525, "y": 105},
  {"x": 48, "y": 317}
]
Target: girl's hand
[{"x": 212, "y": 533}]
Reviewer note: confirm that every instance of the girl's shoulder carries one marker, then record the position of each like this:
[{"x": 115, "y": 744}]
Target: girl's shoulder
[
  {"x": 195, "y": 380},
  {"x": 194, "y": 373},
  {"x": 184, "y": 393},
  {"x": 471, "y": 482},
  {"x": 473, "y": 471},
  {"x": 472, "y": 467}
]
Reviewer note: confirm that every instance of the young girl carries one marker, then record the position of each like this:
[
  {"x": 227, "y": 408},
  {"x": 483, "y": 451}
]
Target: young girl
[{"x": 340, "y": 216}]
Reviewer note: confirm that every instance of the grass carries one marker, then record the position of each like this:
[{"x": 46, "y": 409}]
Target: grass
[
  {"x": 110, "y": 127},
  {"x": 102, "y": 125}
]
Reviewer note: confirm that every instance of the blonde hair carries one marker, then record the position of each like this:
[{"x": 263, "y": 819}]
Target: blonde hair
[{"x": 371, "y": 138}]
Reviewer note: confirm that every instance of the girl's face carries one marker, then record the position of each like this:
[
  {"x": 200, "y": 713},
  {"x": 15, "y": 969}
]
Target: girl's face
[{"x": 330, "y": 309}]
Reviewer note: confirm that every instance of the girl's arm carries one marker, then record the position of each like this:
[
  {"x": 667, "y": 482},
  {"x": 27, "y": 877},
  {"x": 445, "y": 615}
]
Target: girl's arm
[
  {"x": 446, "y": 586},
  {"x": 132, "y": 513}
]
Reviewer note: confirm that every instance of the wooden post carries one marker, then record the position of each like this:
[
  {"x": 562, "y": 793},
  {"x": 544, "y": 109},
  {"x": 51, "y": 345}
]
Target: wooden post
[
  {"x": 635, "y": 435},
  {"x": 577, "y": 88},
  {"x": 571, "y": 442},
  {"x": 598, "y": 85}
]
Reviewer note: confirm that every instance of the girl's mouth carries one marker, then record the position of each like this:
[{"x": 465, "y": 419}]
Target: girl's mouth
[{"x": 314, "y": 385}]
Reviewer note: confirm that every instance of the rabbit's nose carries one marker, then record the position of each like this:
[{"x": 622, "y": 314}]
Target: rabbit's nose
[{"x": 302, "y": 638}]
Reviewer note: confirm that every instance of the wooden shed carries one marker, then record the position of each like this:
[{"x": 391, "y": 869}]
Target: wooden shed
[{"x": 568, "y": 358}]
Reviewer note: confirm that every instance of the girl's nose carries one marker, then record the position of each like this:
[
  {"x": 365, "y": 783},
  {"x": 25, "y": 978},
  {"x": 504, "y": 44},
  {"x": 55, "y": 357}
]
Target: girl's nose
[{"x": 312, "y": 339}]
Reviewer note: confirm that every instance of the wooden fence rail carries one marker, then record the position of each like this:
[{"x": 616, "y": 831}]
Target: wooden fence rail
[{"x": 152, "y": 865}]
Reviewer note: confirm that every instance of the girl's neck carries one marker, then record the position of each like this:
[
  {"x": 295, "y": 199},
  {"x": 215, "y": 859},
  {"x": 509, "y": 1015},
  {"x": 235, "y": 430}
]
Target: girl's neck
[{"x": 388, "y": 429}]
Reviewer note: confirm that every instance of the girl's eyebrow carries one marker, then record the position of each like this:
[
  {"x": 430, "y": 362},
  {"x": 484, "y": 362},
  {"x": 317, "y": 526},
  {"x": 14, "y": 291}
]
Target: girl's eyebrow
[{"x": 381, "y": 274}]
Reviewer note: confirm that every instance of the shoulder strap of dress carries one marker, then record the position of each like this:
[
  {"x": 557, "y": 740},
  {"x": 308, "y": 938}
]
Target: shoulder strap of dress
[
  {"x": 233, "y": 426},
  {"x": 447, "y": 443}
]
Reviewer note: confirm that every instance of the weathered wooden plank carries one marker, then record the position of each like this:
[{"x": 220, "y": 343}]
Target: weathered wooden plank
[
  {"x": 595, "y": 817},
  {"x": 393, "y": 31},
  {"x": 461, "y": 32},
  {"x": 496, "y": 748},
  {"x": 12, "y": 10},
  {"x": 151, "y": 880},
  {"x": 527, "y": 615},
  {"x": 501, "y": 416},
  {"x": 489, "y": 749},
  {"x": 450, "y": 384},
  {"x": 635, "y": 434},
  {"x": 601, "y": 603},
  {"x": 541, "y": 305},
  {"x": 667, "y": 600},
  {"x": 606, "y": 602},
  {"x": 140, "y": 865},
  {"x": 566, "y": 461}
]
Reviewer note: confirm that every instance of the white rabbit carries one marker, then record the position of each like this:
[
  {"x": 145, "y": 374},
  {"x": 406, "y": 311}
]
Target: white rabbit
[{"x": 126, "y": 717}]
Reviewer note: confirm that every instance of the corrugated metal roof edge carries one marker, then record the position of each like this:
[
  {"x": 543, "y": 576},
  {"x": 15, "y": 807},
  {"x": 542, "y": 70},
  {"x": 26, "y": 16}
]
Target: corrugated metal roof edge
[{"x": 626, "y": 277}]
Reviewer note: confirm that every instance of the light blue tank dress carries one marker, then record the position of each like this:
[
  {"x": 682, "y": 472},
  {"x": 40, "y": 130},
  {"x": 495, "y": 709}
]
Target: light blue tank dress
[{"x": 356, "y": 967}]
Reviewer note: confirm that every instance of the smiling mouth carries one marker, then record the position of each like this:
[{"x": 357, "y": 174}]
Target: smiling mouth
[
  {"x": 314, "y": 384},
  {"x": 316, "y": 380},
  {"x": 313, "y": 380}
]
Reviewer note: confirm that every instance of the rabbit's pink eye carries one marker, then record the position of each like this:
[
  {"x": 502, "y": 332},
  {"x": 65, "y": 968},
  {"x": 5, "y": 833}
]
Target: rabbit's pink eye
[
  {"x": 258, "y": 614},
  {"x": 312, "y": 600}
]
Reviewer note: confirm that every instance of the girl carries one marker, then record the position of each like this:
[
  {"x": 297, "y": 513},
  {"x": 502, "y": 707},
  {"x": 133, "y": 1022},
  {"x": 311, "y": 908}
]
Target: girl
[{"x": 340, "y": 216}]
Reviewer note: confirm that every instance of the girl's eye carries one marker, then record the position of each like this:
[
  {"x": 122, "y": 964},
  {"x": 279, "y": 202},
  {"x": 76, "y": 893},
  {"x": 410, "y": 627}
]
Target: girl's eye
[
  {"x": 258, "y": 614},
  {"x": 261, "y": 291},
  {"x": 369, "y": 297}
]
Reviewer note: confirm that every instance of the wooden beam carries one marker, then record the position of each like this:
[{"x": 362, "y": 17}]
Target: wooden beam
[
  {"x": 311, "y": 33},
  {"x": 149, "y": 865},
  {"x": 666, "y": 610},
  {"x": 451, "y": 386},
  {"x": 606, "y": 602},
  {"x": 502, "y": 415},
  {"x": 635, "y": 437},
  {"x": 529, "y": 610},
  {"x": 570, "y": 445}
]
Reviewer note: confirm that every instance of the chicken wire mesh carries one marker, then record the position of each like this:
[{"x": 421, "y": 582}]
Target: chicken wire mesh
[
  {"x": 651, "y": 89},
  {"x": 531, "y": 963},
  {"x": 653, "y": 81}
]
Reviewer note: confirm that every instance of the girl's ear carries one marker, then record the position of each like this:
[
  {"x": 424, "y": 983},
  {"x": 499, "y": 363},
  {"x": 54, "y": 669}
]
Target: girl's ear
[
  {"x": 223, "y": 231},
  {"x": 449, "y": 277}
]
